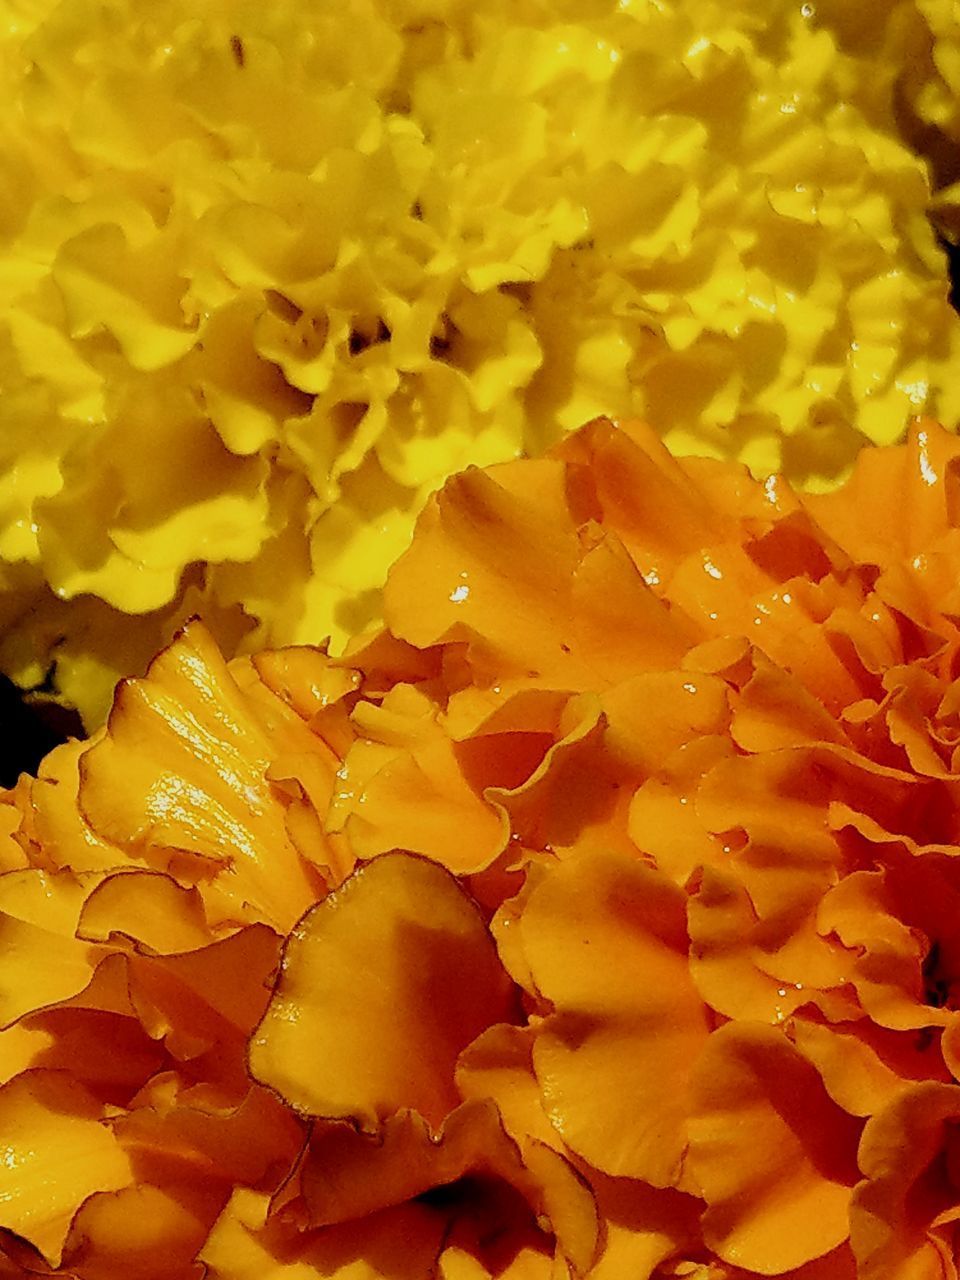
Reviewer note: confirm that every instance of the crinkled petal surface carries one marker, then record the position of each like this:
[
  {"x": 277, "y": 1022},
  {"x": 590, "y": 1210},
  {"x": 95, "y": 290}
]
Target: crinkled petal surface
[{"x": 262, "y": 291}]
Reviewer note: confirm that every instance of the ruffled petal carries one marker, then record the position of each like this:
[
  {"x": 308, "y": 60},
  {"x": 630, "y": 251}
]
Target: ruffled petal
[
  {"x": 197, "y": 756},
  {"x": 774, "y": 1157},
  {"x": 393, "y": 971},
  {"x": 58, "y": 1151},
  {"x": 606, "y": 942}
]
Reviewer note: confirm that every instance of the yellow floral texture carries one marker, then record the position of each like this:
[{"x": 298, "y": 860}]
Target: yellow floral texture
[{"x": 269, "y": 273}]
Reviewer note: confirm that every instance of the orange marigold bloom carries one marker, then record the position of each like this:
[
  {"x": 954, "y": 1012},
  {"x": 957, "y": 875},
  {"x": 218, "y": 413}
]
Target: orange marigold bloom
[{"x": 595, "y": 918}]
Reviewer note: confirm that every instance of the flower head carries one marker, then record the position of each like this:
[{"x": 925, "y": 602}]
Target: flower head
[
  {"x": 264, "y": 285},
  {"x": 597, "y": 916}
]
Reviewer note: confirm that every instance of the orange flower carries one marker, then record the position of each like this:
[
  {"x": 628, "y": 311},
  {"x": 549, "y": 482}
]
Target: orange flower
[{"x": 596, "y": 918}]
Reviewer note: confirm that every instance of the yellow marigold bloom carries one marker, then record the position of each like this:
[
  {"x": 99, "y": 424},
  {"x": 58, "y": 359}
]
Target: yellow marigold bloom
[
  {"x": 268, "y": 274},
  {"x": 598, "y": 917}
]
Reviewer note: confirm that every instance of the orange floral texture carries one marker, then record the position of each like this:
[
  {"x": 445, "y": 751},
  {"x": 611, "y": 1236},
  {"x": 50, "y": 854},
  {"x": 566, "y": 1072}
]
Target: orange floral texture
[{"x": 597, "y": 918}]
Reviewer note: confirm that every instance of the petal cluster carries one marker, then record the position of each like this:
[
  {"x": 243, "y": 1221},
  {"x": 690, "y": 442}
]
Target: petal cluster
[
  {"x": 597, "y": 917},
  {"x": 264, "y": 285}
]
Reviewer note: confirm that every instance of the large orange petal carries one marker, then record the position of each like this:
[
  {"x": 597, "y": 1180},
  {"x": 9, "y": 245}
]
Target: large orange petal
[
  {"x": 909, "y": 1161},
  {"x": 57, "y": 1152},
  {"x": 193, "y": 758},
  {"x": 383, "y": 983},
  {"x": 774, "y": 1157},
  {"x": 606, "y": 941},
  {"x": 502, "y": 562},
  {"x": 123, "y": 1233}
]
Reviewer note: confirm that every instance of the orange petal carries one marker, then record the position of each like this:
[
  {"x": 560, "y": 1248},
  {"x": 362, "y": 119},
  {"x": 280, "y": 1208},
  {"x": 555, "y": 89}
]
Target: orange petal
[
  {"x": 74, "y": 1040},
  {"x": 245, "y": 1244},
  {"x": 498, "y": 561},
  {"x": 672, "y": 518},
  {"x": 193, "y": 759},
  {"x": 488, "y": 563},
  {"x": 863, "y": 1066},
  {"x": 664, "y": 825},
  {"x": 383, "y": 983},
  {"x": 403, "y": 787},
  {"x": 643, "y": 1227},
  {"x": 566, "y": 1203},
  {"x": 524, "y": 1261},
  {"x": 907, "y": 1186},
  {"x": 606, "y": 941},
  {"x": 63, "y": 832},
  {"x": 499, "y": 1065},
  {"x": 149, "y": 909},
  {"x": 40, "y": 966},
  {"x": 123, "y": 1233},
  {"x": 347, "y": 1174},
  {"x": 12, "y": 854},
  {"x": 775, "y": 710},
  {"x": 917, "y": 480},
  {"x": 207, "y": 999},
  {"x": 774, "y": 1157},
  {"x": 578, "y": 794},
  {"x": 885, "y": 954},
  {"x": 304, "y": 678},
  {"x": 195, "y": 1135},
  {"x": 57, "y": 1151},
  {"x": 725, "y": 936}
]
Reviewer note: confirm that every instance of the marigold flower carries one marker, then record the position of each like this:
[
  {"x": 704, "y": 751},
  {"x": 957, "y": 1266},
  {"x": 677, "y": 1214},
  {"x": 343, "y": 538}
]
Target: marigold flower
[
  {"x": 263, "y": 286},
  {"x": 596, "y": 917}
]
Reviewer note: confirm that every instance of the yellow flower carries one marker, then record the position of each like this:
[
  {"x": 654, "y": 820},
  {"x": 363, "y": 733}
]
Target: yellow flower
[{"x": 265, "y": 284}]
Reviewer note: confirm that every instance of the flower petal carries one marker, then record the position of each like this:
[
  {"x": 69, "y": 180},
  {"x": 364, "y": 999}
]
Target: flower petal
[
  {"x": 606, "y": 941},
  {"x": 774, "y": 1157},
  {"x": 382, "y": 984},
  {"x": 58, "y": 1152},
  {"x": 195, "y": 757}
]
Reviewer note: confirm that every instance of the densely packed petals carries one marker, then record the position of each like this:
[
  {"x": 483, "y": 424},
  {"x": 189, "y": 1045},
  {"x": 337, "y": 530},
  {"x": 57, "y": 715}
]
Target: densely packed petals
[
  {"x": 263, "y": 285},
  {"x": 596, "y": 917}
]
